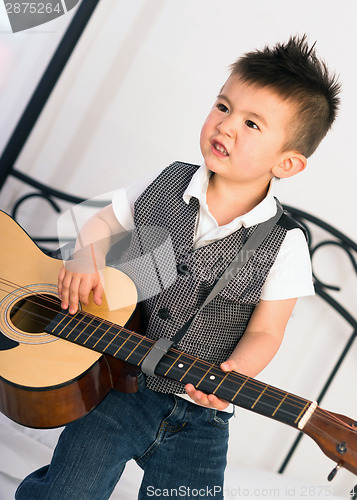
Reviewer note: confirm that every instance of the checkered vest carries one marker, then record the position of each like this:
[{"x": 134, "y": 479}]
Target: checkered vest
[{"x": 218, "y": 328}]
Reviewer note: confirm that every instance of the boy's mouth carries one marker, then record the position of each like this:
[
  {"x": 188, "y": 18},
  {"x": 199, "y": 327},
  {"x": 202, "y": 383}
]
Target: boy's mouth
[{"x": 218, "y": 147}]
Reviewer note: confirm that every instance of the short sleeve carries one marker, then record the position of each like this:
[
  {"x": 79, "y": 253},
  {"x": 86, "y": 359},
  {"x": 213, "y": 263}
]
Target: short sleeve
[
  {"x": 291, "y": 274},
  {"x": 123, "y": 200}
]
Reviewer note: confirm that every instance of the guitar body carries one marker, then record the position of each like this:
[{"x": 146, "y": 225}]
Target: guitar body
[{"x": 46, "y": 381}]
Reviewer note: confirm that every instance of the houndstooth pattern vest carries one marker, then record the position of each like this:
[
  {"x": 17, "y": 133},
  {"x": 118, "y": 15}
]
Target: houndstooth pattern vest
[{"x": 217, "y": 329}]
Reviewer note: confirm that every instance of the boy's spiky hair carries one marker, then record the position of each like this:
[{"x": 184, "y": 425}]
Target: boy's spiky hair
[{"x": 295, "y": 73}]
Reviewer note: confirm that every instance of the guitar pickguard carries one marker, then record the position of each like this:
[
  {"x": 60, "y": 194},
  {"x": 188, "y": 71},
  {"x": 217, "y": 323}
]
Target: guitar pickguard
[{"x": 6, "y": 343}]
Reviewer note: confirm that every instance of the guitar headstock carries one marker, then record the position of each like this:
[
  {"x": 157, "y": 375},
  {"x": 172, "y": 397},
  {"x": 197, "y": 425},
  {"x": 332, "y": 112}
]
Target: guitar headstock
[{"x": 336, "y": 435}]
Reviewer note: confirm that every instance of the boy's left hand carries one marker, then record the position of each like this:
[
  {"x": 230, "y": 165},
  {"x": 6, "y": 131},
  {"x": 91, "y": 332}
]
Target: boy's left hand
[{"x": 210, "y": 400}]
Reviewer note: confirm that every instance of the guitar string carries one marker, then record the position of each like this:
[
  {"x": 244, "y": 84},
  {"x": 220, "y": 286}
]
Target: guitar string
[
  {"x": 235, "y": 375},
  {"x": 136, "y": 335},
  {"x": 338, "y": 459},
  {"x": 343, "y": 458},
  {"x": 49, "y": 299},
  {"x": 322, "y": 416},
  {"x": 324, "y": 413}
]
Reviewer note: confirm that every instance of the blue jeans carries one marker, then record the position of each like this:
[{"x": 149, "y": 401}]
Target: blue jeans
[{"x": 180, "y": 446}]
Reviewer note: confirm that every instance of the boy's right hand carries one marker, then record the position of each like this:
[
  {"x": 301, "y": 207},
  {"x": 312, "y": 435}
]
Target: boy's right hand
[
  {"x": 75, "y": 286},
  {"x": 84, "y": 272}
]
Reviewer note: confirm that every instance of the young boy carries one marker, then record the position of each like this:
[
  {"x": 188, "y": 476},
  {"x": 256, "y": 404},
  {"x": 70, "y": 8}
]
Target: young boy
[{"x": 269, "y": 116}]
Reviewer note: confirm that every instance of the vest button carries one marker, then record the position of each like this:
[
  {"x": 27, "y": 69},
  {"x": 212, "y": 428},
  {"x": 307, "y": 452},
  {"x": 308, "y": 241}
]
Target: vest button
[
  {"x": 183, "y": 269},
  {"x": 163, "y": 313}
]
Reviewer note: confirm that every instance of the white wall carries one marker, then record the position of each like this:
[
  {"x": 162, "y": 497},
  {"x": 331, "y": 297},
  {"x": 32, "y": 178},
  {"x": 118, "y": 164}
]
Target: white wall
[
  {"x": 24, "y": 57},
  {"x": 143, "y": 77},
  {"x": 133, "y": 98}
]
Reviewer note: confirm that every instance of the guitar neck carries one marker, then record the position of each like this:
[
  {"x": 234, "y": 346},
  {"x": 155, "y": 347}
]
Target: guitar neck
[{"x": 109, "y": 338}]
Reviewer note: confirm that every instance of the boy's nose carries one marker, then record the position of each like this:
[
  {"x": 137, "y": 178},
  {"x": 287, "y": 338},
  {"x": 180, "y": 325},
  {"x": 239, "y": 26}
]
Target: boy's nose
[{"x": 226, "y": 127}]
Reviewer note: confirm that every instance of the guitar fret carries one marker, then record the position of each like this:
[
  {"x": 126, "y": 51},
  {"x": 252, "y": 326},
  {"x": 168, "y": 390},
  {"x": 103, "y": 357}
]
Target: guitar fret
[
  {"x": 264, "y": 399},
  {"x": 302, "y": 411},
  {"x": 87, "y": 326},
  {"x": 58, "y": 324},
  {"x": 137, "y": 345},
  {"x": 172, "y": 364},
  {"x": 207, "y": 372},
  {"x": 170, "y": 368},
  {"x": 141, "y": 349},
  {"x": 251, "y": 393},
  {"x": 65, "y": 317},
  {"x": 240, "y": 388},
  {"x": 109, "y": 336},
  {"x": 100, "y": 338},
  {"x": 277, "y": 408},
  {"x": 82, "y": 331},
  {"x": 260, "y": 395},
  {"x": 142, "y": 359},
  {"x": 71, "y": 330},
  {"x": 188, "y": 369},
  {"x": 93, "y": 332},
  {"x": 106, "y": 347},
  {"x": 126, "y": 340},
  {"x": 221, "y": 382}
]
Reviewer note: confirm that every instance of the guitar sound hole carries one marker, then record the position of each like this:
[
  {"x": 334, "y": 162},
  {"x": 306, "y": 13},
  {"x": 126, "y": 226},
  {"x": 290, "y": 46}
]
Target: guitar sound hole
[{"x": 32, "y": 314}]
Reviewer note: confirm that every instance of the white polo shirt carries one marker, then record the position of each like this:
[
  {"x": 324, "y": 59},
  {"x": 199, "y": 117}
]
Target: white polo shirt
[{"x": 290, "y": 275}]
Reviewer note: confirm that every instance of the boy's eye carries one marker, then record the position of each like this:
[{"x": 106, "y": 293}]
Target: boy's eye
[
  {"x": 222, "y": 107},
  {"x": 251, "y": 124}
]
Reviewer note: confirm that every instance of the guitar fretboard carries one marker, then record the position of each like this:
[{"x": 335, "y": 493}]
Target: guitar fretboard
[{"x": 109, "y": 338}]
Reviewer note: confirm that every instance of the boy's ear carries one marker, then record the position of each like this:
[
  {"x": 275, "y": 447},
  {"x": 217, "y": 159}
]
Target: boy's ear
[{"x": 291, "y": 164}]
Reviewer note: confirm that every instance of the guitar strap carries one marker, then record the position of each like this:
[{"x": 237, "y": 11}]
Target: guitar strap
[{"x": 162, "y": 345}]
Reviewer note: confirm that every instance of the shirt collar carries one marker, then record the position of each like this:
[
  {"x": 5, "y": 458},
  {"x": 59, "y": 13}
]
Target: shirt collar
[
  {"x": 266, "y": 209},
  {"x": 198, "y": 185}
]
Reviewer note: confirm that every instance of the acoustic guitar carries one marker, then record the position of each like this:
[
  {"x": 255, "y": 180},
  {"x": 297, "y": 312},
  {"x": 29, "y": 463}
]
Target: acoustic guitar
[{"x": 56, "y": 367}]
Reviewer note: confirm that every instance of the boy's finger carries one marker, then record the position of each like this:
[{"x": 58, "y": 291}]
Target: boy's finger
[
  {"x": 61, "y": 275},
  {"x": 227, "y": 366},
  {"x": 85, "y": 288},
  {"x": 198, "y": 396},
  {"x": 98, "y": 294},
  {"x": 73, "y": 294},
  {"x": 218, "y": 403},
  {"x": 65, "y": 284}
]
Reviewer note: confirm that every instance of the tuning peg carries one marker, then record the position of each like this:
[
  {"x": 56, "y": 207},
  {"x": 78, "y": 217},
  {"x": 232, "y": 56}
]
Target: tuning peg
[{"x": 334, "y": 472}]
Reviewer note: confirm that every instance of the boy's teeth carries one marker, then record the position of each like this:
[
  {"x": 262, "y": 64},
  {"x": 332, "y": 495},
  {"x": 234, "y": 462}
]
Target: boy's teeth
[{"x": 220, "y": 148}]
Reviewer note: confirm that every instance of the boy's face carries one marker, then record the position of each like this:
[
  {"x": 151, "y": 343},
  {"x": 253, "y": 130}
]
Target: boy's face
[{"x": 243, "y": 135}]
